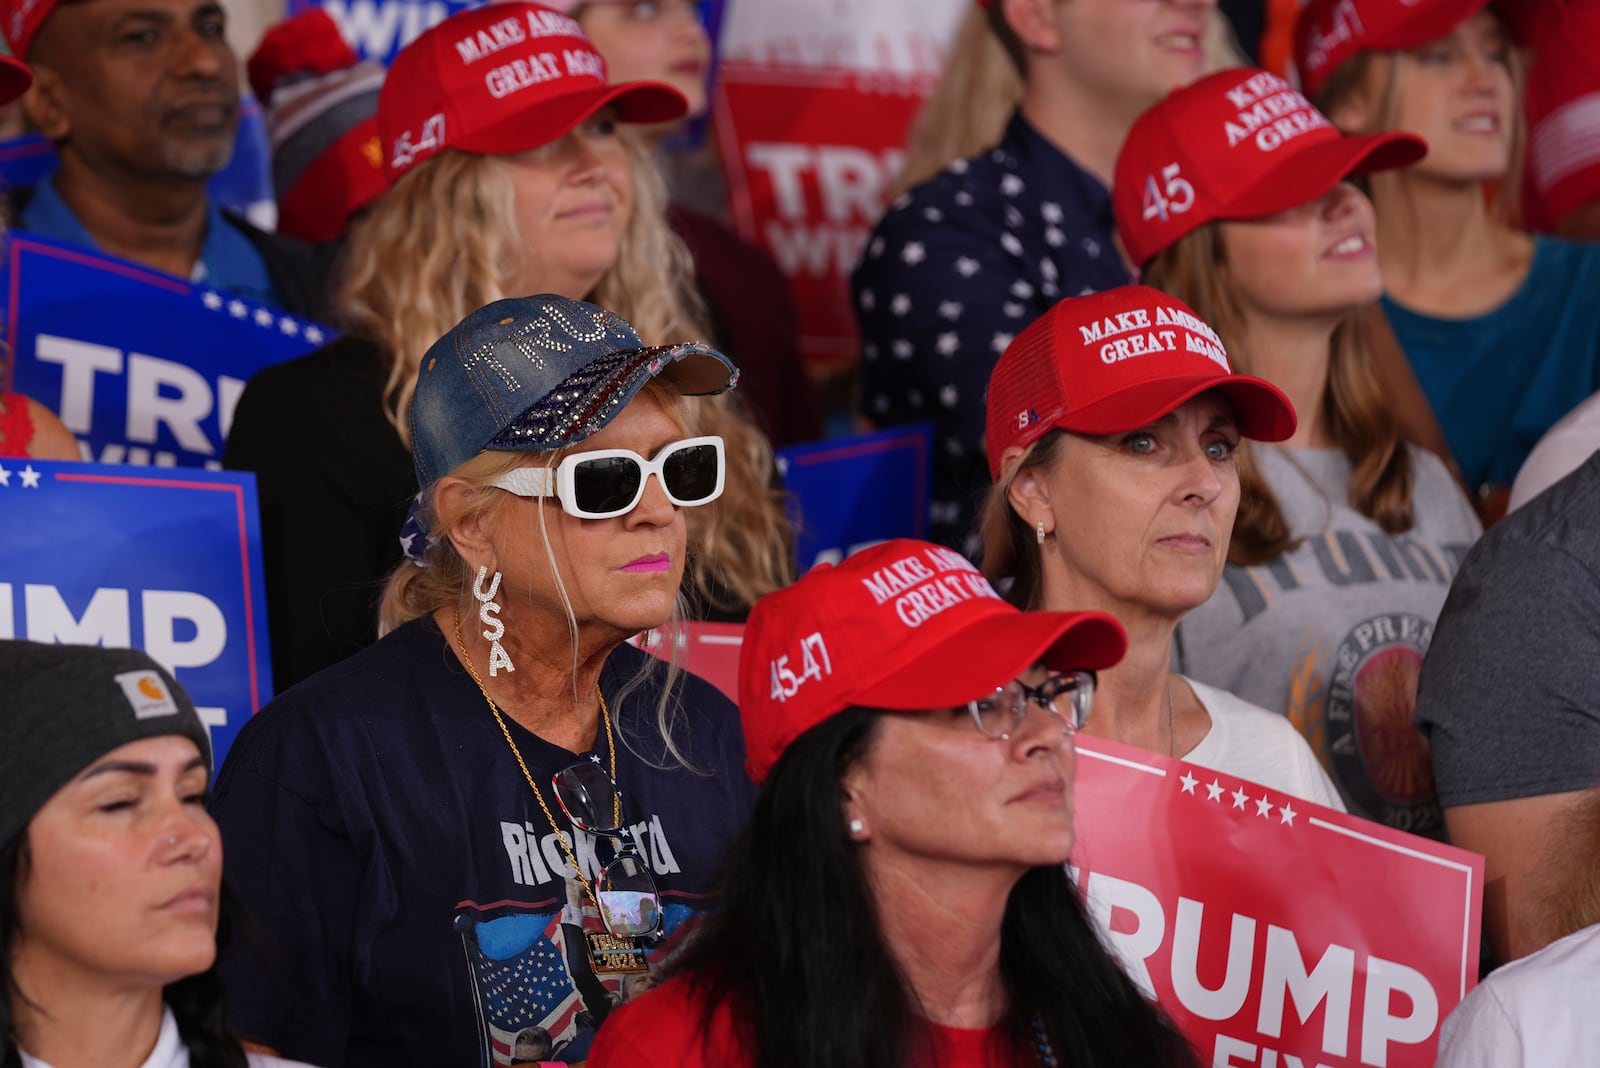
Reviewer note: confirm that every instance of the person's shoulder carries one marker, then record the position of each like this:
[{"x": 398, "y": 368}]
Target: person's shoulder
[
  {"x": 667, "y": 1026},
  {"x": 1560, "y": 520}
]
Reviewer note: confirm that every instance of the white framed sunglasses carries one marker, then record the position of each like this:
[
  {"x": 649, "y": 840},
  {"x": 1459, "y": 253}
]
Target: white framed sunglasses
[{"x": 605, "y": 483}]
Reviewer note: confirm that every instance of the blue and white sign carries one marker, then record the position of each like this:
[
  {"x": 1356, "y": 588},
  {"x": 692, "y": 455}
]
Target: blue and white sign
[
  {"x": 143, "y": 367},
  {"x": 164, "y": 561},
  {"x": 377, "y": 29},
  {"x": 244, "y": 186},
  {"x": 849, "y": 493}
]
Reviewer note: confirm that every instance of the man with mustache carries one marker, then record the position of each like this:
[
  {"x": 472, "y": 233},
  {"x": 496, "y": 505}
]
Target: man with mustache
[{"x": 141, "y": 100}]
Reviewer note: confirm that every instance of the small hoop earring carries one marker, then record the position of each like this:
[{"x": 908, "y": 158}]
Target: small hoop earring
[
  {"x": 494, "y": 627},
  {"x": 1038, "y": 532}
]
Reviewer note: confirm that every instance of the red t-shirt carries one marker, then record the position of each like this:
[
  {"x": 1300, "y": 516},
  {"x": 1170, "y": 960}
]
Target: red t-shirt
[{"x": 662, "y": 1029}]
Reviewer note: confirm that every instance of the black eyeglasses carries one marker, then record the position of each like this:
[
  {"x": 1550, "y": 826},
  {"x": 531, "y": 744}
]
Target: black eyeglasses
[
  {"x": 603, "y": 483},
  {"x": 625, "y": 891},
  {"x": 1068, "y": 696}
]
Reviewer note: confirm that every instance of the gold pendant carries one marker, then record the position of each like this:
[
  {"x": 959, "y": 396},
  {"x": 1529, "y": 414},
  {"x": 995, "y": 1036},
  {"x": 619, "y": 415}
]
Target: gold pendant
[{"x": 609, "y": 955}]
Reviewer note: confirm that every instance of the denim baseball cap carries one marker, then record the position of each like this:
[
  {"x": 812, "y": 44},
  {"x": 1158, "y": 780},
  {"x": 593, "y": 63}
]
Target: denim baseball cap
[{"x": 529, "y": 374}]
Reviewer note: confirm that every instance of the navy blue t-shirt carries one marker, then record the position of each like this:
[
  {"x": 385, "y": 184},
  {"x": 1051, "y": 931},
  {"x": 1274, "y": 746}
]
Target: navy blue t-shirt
[
  {"x": 411, "y": 901},
  {"x": 956, "y": 268}
]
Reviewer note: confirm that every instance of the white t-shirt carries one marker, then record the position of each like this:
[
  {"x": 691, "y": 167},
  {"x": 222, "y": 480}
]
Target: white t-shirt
[
  {"x": 1535, "y": 1011},
  {"x": 170, "y": 1052},
  {"x": 1251, "y": 743}
]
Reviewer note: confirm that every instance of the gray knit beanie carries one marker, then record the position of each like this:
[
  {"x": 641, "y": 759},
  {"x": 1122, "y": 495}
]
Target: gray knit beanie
[{"x": 62, "y": 707}]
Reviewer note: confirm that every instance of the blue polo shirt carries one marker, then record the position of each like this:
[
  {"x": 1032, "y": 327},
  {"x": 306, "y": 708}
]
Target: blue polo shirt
[
  {"x": 228, "y": 261},
  {"x": 955, "y": 269}
]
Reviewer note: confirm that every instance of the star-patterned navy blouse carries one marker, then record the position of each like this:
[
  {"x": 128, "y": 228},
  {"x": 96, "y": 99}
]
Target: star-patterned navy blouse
[{"x": 952, "y": 272}]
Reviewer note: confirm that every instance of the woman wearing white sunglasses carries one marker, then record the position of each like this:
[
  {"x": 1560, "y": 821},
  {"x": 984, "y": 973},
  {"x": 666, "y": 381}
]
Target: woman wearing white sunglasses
[{"x": 435, "y": 831}]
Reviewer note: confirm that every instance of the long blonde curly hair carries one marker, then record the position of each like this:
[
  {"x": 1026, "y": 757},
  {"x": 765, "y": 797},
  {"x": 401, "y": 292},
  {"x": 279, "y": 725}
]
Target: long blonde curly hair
[{"x": 447, "y": 221}]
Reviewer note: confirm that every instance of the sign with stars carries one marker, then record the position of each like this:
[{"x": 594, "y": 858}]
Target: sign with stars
[
  {"x": 1274, "y": 931},
  {"x": 143, "y": 367},
  {"x": 168, "y": 561}
]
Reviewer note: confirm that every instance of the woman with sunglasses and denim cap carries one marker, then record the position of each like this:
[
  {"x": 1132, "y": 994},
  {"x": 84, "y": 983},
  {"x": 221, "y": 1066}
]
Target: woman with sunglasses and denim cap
[
  {"x": 1114, "y": 424},
  {"x": 465, "y": 839},
  {"x": 899, "y": 897}
]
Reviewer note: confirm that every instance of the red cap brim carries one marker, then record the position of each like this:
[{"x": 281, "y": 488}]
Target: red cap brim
[
  {"x": 1262, "y": 410},
  {"x": 1313, "y": 170},
  {"x": 990, "y": 649},
  {"x": 551, "y": 119},
  {"x": 15, "y": 77}
]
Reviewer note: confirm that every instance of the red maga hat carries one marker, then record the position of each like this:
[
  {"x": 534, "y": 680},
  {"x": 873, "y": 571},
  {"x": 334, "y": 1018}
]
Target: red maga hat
[
  {"x": 1115, "y": 361},
  {"x": 904, "y": 625},
  {"x": 22, "y": 19},
  {"x": 500, "y": 79},
  {"x": 1238, "y": 144},
  {"x": 1328, "y": 33}
]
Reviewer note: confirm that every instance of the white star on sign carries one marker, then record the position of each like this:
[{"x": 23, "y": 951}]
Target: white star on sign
[
  {"x": 1051, "y": 211},
  {"x": 913, "y": 253},
  {"x": 313, "y": 335},
  {"x": 1054, "y": 237},
  {"x": 1214, "y": 791},
  {"x": 288, "y": 326},
  {"x": 902, "y": 348},
  {"x": 1091, "y": 246},
  {"x": 1021, "y": 290},
  {"x": 959, "y": 167},
  {"x": 1263, "y": 806},
  {"x": 966, "y": 266},
  {"x": 948, "y": 396},
  {"x": 1000, "y": 341},
  {"x": 900, "y": 304},
  {"x": 868, "y": 300},
  {"x": 211, "y": 300},
  {"x": 5, "y": 476},
  {"x": 1240, "y": 797},
  {"x": 1010, "y": 243},
  {"x": 933, "y": 214},
  {"x": 1012, "y": 309},
  {"x": 950, "y": 309},
  {"x": 1189, "y": 782},
  {"x": 237, "y": 308},
  {"x": 1287, "y": 815},
  {"x": 30, "y": 477},
  {"x": 263, "y": 317},
  {"x": 876, "y": 248},
  {"x": 964, "y": 198},
  {"x": 948, "y": 343},
  {"x": 1011, "y": 185}
]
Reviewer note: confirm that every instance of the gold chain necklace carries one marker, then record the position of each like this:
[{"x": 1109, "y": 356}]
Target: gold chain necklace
[{"x": 611, "y": 747}]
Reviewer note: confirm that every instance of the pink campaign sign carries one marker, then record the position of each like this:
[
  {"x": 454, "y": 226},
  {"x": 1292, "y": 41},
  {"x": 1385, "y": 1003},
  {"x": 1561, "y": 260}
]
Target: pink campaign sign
[{"x": 1275, "y": 932}]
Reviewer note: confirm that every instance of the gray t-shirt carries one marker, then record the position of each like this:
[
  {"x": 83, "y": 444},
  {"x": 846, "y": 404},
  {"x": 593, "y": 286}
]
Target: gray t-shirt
[
  {"x": 1332, "y": 633},
  {"x": 1510, "y": 698}
]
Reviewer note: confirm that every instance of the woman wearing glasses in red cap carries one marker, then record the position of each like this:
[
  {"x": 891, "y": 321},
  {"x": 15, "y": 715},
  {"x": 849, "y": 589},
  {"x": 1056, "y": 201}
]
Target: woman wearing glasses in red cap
[
  {"x": 1114, "y": 431},
  {"x": 512, "y": 173},
  {"x": 899, "y": 897},
  {"x": 1233, "y": 196},
  {"x": 1500, "y": 326},
  {"x": 469, "y": 841}
]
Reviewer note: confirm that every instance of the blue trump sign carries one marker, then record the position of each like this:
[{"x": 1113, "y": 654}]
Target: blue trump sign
[
  {"x": 143, "y": 367},
  {"x": 849, "y": 493},
  {"x": 164, "y": 561}
]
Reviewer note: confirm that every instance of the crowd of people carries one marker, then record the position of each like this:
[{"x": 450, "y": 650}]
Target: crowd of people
[{"x": 1231, "y": 375}]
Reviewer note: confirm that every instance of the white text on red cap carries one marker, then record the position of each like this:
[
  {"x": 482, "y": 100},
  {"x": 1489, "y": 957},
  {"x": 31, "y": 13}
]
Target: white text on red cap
[
  {"x": 509, "y": 31},
  {"x": 1344, "y": 22},
  {"x": 1272, "y": 111},
  {"x": 921, "y": 588},
  {"x": 1142, "y": 338}
]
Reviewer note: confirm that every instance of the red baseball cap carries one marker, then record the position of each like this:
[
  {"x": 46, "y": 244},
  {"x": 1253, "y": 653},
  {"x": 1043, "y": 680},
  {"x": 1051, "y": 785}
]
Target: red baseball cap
[
  {"x": 1238, "y": 144},
  {"x": 15, "y": 77},
  {"x": 1115, "y": 361},
  {"x": 499, "y": 79},
  {"x": 22, "y": 19},
  {"x": 1328, "y": 33},
  {"x": 905, "y": 625}
]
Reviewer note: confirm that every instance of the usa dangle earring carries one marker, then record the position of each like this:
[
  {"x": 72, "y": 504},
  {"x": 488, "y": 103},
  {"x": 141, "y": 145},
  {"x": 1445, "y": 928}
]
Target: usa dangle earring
[{"x": 494, "y": 627}]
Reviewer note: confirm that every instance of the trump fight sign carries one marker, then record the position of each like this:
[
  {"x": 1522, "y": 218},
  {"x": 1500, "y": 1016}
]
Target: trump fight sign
[
  {"x": 165, "y": 561},
  {"x": 1275, "y": 932},
  {"x": 143, "y": 367}
]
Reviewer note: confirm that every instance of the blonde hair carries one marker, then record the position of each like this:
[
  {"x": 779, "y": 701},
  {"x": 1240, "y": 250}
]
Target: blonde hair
[
  {"x": 1354, "y": 406},
  {"x": 1362, "y": 75},
  {"x": 412, "y": 592},
  {"x": 982, "y": 85},
  {"x": 448, "y": 222}
]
